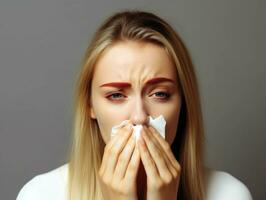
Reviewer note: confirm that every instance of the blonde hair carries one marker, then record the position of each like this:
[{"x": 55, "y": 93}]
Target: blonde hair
[{"x": 87, "y": 147}]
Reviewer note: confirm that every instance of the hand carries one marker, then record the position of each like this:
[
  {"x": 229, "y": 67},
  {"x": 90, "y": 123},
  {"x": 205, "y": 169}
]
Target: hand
[
  {"x": 119, "y": 167},
  {"x": 162, "y": 169}
]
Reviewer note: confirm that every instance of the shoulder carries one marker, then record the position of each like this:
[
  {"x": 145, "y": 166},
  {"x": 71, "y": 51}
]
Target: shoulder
[
  {"x": 49, "y": 185},
  {"x": 221, "y": 185}
]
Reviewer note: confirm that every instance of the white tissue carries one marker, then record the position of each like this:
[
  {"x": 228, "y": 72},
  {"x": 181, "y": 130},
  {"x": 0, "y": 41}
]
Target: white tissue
[{"x": 157, "y": 123}]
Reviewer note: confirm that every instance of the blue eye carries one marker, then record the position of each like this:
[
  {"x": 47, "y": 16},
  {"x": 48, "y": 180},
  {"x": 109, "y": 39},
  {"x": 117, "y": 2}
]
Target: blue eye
[
  {"x": 114, "y": 96},
  {"x": 164, "y": 95},
  {"x": 119, "y": 96}
]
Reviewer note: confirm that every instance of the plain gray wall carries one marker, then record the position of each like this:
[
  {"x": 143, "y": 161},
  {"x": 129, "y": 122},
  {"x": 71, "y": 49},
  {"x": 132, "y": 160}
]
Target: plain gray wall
[{"x": 41, "y": 46}]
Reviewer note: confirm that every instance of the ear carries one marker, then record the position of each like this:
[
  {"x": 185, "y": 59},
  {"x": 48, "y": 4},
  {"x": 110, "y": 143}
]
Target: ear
[{"x": 92, "y": 114}]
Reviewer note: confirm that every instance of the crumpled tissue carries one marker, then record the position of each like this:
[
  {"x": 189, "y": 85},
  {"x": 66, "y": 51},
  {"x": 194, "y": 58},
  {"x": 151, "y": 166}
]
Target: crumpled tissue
[{"x": 157, "y": 123}]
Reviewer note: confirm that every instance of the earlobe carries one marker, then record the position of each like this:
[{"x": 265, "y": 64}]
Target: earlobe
[{"x": 92, "y": 114}]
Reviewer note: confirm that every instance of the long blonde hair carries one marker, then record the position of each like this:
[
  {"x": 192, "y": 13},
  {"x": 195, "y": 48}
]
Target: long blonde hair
[{"x": 87, "y": 147}]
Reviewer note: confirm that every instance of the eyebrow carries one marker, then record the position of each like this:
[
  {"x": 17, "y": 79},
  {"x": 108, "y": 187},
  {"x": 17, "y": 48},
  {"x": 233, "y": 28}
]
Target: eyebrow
[{"x": 127, "y": 85}]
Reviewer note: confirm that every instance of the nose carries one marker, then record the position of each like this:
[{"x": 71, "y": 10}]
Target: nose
[{"x": 139, "y": 114}]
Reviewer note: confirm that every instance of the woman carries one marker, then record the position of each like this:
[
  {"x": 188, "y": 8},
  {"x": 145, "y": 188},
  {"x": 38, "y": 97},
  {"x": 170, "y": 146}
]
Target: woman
[{"x": 135, "y": 67}]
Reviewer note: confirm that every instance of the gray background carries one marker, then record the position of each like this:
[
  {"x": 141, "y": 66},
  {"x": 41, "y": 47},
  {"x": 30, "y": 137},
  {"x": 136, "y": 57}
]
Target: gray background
[{"x": 41, "y": 46}]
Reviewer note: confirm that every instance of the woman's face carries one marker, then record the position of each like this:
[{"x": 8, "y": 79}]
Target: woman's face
[{"x": 133, "y": 80}]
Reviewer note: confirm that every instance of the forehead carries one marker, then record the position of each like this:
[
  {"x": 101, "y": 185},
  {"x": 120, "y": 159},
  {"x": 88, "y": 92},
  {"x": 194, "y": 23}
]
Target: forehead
[{"x": 131, "y": 60}]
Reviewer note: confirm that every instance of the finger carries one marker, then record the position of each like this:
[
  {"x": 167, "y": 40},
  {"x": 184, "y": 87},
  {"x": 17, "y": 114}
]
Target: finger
[
  {"x": 153, "y": 136},
  {"x": 157, "y": 153},
  {"x": 132, "y": 168},
  {"x": 124, "y": 158},
  {"x": 109, "y": 145},
  {"x": 166, "y": 147},
  {"x": 148, "y": 162},
  {"x": 113, "y": 152},
  {"x": 125, "y": 130}
]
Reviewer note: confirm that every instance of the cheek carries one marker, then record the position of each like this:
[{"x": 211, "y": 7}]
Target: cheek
[
  {"x": 106, "y": 120},
  {"x": 172, "y": 119},
  {"x": 103, "y": 117},
  {"x": 171, "y": 133},
  {"x": 104, "y": 133}
]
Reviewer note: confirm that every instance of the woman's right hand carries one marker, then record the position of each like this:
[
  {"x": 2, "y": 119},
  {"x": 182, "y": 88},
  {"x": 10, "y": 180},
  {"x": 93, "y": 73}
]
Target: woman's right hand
[{"x": 119, "y": 167}]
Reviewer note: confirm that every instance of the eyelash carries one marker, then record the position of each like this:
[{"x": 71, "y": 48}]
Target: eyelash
[{"x": 167, "y": 96}]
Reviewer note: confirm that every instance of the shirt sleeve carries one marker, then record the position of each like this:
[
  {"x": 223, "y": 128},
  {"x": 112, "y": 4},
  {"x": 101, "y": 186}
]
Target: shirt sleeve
[
  {"x": 28, "y": 191},
  {"x": 224, "y": 186},
  {"x": 241, "y": 192}
]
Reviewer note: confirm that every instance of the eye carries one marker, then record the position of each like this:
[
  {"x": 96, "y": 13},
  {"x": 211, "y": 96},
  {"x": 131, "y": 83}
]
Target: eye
[
  {"x": 119, "y": 96},
  {"x": 115, "y": 96},
  {"x": 162, "y": 95}
]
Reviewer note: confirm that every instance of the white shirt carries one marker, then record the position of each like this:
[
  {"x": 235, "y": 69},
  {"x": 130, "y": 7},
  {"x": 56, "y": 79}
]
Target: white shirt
[{"x": 52, "y": 186}]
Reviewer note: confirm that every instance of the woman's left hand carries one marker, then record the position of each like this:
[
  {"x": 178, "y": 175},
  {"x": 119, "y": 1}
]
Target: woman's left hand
[{"x": 162, "y": 169}]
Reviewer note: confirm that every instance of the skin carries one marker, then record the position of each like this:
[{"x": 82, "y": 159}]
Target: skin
[{"x": 146, "y": 169}]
